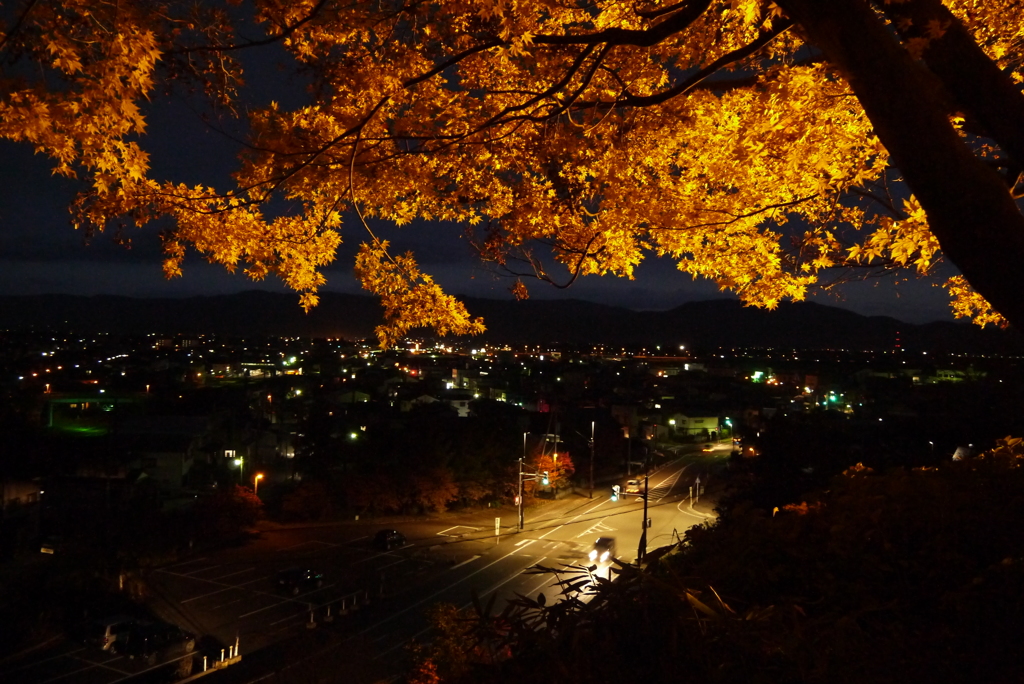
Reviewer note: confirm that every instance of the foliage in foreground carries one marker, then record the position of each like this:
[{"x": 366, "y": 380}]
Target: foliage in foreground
[
  {"x": 757, "y": 144},
  {"x": 908, "y": 576}
]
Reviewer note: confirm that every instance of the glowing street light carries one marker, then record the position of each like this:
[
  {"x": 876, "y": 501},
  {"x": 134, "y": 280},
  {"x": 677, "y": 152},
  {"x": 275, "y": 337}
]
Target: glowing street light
[{"x": 256, "y": 483}]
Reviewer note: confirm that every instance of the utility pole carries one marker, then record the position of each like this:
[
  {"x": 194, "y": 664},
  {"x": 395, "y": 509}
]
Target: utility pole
[
  {"x": 642, "y": 550},
  {"x": 519, "y": 499},
  {"x": 528, "y": 477},
  {"x": 629, "y": 453},
  {"x": 592, "y": 459}
]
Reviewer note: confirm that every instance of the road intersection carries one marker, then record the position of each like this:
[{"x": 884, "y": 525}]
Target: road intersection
[{"x": 371, "y": 604}]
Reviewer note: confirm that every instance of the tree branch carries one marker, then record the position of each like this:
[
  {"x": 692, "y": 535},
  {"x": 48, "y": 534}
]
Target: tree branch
[
  {"x": 640, "y": 38},
  {"x": 739, "y": 217},
  {"x": 18, "y": 22},
  {"x": 288, "y": 30},
  {"x": 729, "y": 58}
]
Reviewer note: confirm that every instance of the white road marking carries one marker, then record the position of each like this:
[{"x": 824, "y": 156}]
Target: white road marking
[
  {"x": 674, "y": 477},
  {"x": 290, "y": 600},
  {"x": 400, "y": 644},
  {"x": 132, "y": 675},
  {"x": 549, "y": 532},
  {"x": 237, "y": 572},
  {"x": 229, "y": 603},
  {"x": 466, "y": 605},
  {"x": 444, "y": 533},
  {"x": 105, "y": 664},
  {"x": 44, "y": 660},
  {"x": 188, "y": 562},
  {"x": 221, "y": 584},
  {"x": 438, "y": 592},
  {"x": 378, "y": 555},
  {"x": 228, "y": 588},
  {"x": 305, "y": 543},
  {"x": 507, "y": 579},
  {"x": 692, "y": 511},
  {"x": 192, "y": 572},
  {"x": 80, "y": 670},
  {"x": 592, "y": 508},
  {"x": 597, "y": 527},
  {"x": 541, "y": 585},
  {"x": 289, "y": 619},
  {"x": 470, "y": 560}
]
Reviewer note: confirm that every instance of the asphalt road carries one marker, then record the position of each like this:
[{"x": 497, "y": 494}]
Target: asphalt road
[{"x": 372, "y": 603}]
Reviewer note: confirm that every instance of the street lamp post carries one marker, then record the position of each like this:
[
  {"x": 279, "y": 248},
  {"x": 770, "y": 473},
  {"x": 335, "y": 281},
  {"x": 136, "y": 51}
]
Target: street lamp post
[{"x": 256, "y": 483}]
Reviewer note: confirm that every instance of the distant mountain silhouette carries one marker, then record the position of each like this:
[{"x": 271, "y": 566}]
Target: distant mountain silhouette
[{"x": 701, "y": 325}]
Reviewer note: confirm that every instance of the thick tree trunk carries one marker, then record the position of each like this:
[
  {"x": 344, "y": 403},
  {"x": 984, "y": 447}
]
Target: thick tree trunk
[
  {"x": 969, "y": 208},
  {"x": 976, "y": 83}
]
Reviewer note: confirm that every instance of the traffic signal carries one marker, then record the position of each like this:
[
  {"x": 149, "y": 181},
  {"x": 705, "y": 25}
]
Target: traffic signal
[{"x": 544, "y": 480}]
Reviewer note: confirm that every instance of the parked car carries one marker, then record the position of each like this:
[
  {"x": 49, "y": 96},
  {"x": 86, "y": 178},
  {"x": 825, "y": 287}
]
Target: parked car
[
  {"x": 389, "y": 539},
  {"x": 156, "y": 642},
  {"x": 106, "y": 633},
  {"x": 604, "y": 550},
  {"x": 297, "y": 580},
  {"x": 51, "y": 545}
]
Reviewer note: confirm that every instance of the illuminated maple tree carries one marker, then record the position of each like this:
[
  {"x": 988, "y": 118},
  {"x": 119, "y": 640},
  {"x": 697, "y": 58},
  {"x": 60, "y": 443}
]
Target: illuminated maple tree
[{"x": 761, "y": 145}]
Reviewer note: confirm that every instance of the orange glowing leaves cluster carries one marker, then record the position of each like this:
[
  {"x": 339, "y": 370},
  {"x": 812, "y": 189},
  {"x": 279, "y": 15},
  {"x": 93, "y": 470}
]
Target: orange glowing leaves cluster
[
  {"x": 84, "y": 117},
  {"x": 472, "y": 111},
  {"x": 411, "y": 299},
  {"x": 969, "y": 304}
]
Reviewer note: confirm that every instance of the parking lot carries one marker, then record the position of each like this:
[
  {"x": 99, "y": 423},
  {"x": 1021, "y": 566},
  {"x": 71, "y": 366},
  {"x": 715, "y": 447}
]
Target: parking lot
[
  {"x": 70, "y": 662},
  {"x": 230, "y": 597},
  {"x": 233, "y": 596}
]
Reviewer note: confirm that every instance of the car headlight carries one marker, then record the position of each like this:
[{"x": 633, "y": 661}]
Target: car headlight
[
  {"x": 604, "y": 556},
  {"x": 593, "y": 554}
]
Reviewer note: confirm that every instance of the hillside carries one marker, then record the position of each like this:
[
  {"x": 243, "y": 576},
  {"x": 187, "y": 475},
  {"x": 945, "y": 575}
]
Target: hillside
[{"x": 706, "y": 324}]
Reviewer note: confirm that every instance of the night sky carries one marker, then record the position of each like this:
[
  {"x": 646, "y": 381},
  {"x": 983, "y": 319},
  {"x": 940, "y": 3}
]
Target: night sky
[{"x": 41, "y": 253}]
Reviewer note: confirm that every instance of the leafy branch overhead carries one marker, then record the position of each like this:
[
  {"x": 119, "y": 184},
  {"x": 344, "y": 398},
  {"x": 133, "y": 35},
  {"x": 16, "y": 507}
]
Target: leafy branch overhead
[
  {"x": 761, "y": 145},
  {"x": 411, "y": 299}
]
